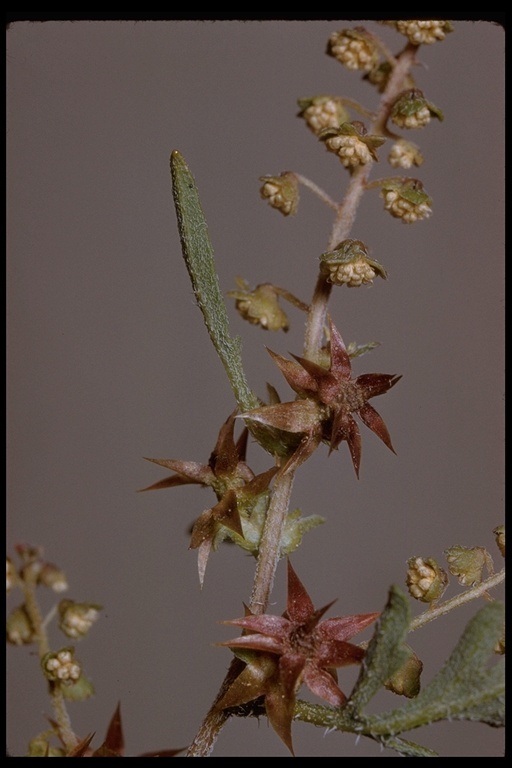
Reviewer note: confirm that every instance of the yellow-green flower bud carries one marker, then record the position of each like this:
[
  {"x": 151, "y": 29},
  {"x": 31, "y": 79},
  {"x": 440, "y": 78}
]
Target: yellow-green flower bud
[
  {"x": 19, "y": 627},
  {"x": 282, "y": 192},
  {"x": 349, "y": 264},
  {"x": 354, "y": 48},
  {"x": 62, "y": 666},
  {"x": 260, "y": 306},
  {"x": 499, "y": 533},
  {"x": 426, "y": 580},
  {"x": 406, "y": 199},
  {"x": 53, "y": 577},
  {"x": 420, "y": 31},
  {"x": 468, "y": 564},
  {"x": 404, "y": 155},
  {"x": 322, "y": 112},
  {"x": 412, "y": 110},
  {"x": 76, "y": 619},
  {"x": 406, "y": 680},
  {"x": 11, "y": 576},
  {"x": 352, "y": 143}
]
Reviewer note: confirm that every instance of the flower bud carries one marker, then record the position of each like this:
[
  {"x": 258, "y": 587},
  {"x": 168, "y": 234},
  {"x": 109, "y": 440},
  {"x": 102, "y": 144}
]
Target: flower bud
[
  {"x": 62, "y": 666},
  {"x": 260, "y": 306},
  {"x": 322, "y": 112},
  {"x": 19, "y": 627},
  {"x": 282, "y": 192},
  {"x": 426, "y": 580},
  {"x": 421, "y": 31},
  {"x": 349, "y": 264},
  {"x": 76, "y": 619},
  {"x": 53, "y": 577},
  {"x": 404, "y": 154},
  {"x": 499, "y": 533},
  {"x": 406, "y": 680},
  {"x": 412, "y": 110},
  {"x": 354, "y": 48},
  {"x": 352, "y": 143},
  {"x": 11, "y": 576},
  {"x": 406, "y": 199},
  {"x": 468, "y": 564}
]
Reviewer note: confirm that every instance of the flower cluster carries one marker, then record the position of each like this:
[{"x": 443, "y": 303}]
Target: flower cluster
[
  {"x": 426, "y": 580},
  {"x": 349, "y": 264},
  {"x": 423, "y": 31},
  {"x": 406, "y": 199},
  {"x": 281, "y": 192},
  {"x": 260, "y": 306},
  {"x": 404, "y": 154},
  {"x": 76, "y": 619},
  {"x": 354, "y": 48},
  {"x": 322, "y": 112},
  {"x": 352, "y": 143},
  {"x": 62, "y": 666},
  {"x": 412, "y": 110}
]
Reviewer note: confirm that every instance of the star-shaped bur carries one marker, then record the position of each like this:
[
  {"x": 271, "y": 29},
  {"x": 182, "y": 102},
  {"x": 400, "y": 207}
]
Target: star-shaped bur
[
  {"x": 284, "y": 652},
  {"x": 234, "y": 483},
  {"x": 328, "y": 399}
]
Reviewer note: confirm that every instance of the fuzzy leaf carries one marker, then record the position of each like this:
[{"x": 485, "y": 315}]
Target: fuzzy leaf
[
  {"x": 466, "y": 688},
  {"x": 385, "y": 653},
  {"x": 198, "y": 254}
]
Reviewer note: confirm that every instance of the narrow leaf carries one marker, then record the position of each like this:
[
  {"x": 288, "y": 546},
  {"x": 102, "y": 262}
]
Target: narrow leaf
[{"x": 198, "y": 254}]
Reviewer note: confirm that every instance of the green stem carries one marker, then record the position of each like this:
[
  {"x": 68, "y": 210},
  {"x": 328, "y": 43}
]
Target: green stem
[
  {"x": 29, "y": 584},
  {"x": 479, "y": 590}
]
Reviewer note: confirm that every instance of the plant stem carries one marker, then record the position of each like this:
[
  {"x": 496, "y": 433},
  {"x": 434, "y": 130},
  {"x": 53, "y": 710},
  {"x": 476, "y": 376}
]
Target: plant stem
[
  {"x": 347, "y": 209},
  {"x": 28, "y": 584},
  {"x": 270, "y": 545},
  {"x": 465, "y": 597},
  {"x": 268, "y": 558}
]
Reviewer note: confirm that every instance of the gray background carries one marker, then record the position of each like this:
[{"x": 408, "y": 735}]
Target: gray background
[{"x": 109, "y": 360}]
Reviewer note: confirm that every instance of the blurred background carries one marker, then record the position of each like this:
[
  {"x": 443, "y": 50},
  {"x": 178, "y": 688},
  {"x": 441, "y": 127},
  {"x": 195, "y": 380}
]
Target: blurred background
[{"x": 108, "y": 359}]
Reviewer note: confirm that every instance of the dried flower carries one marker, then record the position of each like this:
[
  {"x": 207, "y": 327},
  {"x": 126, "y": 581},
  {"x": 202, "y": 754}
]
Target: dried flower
[
  {"x": 426, "y": 580},
  {"x": 53, "y": 577},
  {"x": 76, "y": 619},
  {"x": 282, "y": 192},
  {"x": 406, "y": 199},
  {"x": 260, "y": 306},
  {"x": 404, "y": 154},
  {"x": 349, "y": 264},
  {"x": 499, "y": 533},
  {"x": 19, "y": 628},
  {"x": 354, "y": 48},
  {"x": 352, "y": 143},
  {"x": 468, "y": 564},
  {"x": 11, "y": 575},
  {"x": 412, "y": 110},
  {"x": 294, "y": 649},
  {"x": 328, "y": 398},
  {"x": 322, "y": 112},
  {"x": 406, "y": 680},
  {"x": 422, "y": 31}
]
